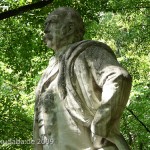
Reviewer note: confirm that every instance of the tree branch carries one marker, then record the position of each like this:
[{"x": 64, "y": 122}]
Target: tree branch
[
  {"x": 147, "y": 129},
  {"x": 23, "y": 9}
]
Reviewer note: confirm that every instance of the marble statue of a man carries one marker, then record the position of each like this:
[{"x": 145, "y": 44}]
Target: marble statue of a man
[{"x": 82, "y": 93}]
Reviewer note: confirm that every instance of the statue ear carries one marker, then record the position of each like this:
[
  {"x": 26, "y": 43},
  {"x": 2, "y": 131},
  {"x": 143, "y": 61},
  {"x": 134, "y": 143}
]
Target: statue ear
[
  {"x": 68, "y": 29},
  {"x": 71, "y": 27}
]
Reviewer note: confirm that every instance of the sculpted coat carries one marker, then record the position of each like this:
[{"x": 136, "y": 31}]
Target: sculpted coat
[{"x": 80, "y": 99}]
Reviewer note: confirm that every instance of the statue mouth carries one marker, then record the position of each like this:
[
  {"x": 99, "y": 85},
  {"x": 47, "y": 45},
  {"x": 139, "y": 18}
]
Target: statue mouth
[{"x": 47, "y": 37}]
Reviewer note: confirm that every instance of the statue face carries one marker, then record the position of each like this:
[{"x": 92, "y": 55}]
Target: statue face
[{"x": 52, "y": 32}]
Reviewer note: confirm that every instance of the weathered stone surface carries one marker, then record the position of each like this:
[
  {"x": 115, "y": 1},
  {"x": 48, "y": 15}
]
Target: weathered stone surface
[{"x": 82, "y": 93}]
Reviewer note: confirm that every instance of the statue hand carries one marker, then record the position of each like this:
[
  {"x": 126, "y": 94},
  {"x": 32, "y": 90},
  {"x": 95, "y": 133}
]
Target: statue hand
[{"x": 96, "y": 139}]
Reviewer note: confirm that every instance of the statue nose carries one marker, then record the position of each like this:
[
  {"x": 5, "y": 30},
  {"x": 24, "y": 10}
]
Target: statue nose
[{"x": 46, "y": 30}]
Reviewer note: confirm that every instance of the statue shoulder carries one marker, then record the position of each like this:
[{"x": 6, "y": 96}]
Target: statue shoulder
[{"x": 94, "y": 49}]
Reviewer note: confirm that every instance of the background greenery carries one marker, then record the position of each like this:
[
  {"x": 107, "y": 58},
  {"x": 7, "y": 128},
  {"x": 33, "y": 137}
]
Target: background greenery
[{"x": 124, "y": 25}]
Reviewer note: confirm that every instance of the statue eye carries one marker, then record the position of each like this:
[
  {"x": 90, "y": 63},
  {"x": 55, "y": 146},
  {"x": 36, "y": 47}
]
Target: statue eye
[
  {"x": 50, "y": 22},
  {"x": 53, "y": 21}
]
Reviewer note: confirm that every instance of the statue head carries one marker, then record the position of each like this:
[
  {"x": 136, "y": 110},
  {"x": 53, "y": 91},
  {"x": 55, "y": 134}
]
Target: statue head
[{"x": 63, "y": 26}]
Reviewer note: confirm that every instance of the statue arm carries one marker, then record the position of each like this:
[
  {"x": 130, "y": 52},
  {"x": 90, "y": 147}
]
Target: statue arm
[{"x": 115, "y": 83}]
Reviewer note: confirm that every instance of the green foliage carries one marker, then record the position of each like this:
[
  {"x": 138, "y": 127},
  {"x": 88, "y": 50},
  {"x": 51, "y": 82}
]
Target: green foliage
[{"x": 123, "y": 25}]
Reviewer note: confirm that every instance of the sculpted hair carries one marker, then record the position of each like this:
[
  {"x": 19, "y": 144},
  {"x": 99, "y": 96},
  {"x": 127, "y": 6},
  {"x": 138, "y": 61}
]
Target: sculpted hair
[{"x": 71, "y": 18}]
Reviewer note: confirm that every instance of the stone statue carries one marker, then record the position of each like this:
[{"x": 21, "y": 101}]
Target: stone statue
[{"x": 82, "y": 93}]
